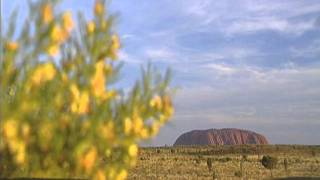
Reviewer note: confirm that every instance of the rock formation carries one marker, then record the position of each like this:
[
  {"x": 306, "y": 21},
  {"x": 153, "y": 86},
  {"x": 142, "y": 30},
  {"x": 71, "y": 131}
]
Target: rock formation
[{"x": 228, "y": 136}]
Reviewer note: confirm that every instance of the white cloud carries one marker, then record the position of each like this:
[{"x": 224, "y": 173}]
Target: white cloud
[
  {"x": 129, "y": 58},
  {"x": 160, "y": 54},
  {"x": 221, "y": 69},
  {"x": 225, "y": 80},
  {"x": 284, "y": 95},
  {"x": 271, "y": 24},
  {"x": 247, "y": 16},
  {"x": 310, "y": 51},
  {"x": 127, "y": 36}
]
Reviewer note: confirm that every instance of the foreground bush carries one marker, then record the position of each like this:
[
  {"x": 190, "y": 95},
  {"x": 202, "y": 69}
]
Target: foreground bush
[{"x": 60, "y": 114}]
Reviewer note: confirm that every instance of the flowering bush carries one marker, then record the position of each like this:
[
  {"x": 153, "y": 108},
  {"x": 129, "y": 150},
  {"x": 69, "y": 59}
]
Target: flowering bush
[{"x": 60, "y": 114}]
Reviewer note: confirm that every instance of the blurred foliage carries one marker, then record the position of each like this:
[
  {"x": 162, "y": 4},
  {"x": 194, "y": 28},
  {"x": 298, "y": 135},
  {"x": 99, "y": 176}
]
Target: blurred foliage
[{"x": 60, "y": 114}]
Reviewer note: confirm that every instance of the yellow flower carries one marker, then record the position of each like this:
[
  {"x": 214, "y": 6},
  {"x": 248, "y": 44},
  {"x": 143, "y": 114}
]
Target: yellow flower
[
  {"x": 127, "y": 126},
  {"x": 53, "y": 50},
  {"x": 122, "y": 175},
  {"x": 90, "y": 27},
  {"x": 89, "y": 159},
  {"x": 12, "y": 46},
  {"x": 21, "y": 154},
  {"x": 144, "y": 133},
  {"x": 83, "y": 103},
  {"x": 98, "y": 8},
  {"x": 10, "y": 128},
  {"x": 58, "y": 35},
  {"x": 49, "y": 71},
  {"x": 169, "y": 111},
  {"x": 43, "y": 73},
  {"x": 109, "y": 94},
  {"x": 67, "y": 21},
  {"x": 133, "y": 150},
  {"x": 155, "y": 128},
  {"x": 156, "y": 102},
  {"x": 100, "y": 175},
  {"x": 115, "y": 45},
  {"x": 80, "y": 101},
  {"x": 167, "y": 105},
  {"x": 47, "y": 13},
  {"x": 75, "y": 96},
  {"x": 137, "y": 125},
  {"x": 64, "y": 77},
  {"x": 107, "y": 131},
  {"x": 98, "y": 81},
  {"x": 75, "y": 91},
  {"x": 163, "y": 119}
]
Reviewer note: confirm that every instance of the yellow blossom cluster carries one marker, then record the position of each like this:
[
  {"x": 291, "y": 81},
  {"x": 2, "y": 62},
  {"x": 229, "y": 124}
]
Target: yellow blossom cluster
[
  {"x": 98, "y": 80},
  {"x": 15, "y": 143},
  {"x": 108, "y": 131},
  {"x": 47, "y": 13},
  {"x": 80, "y": 100},
  {"x": 43, "y": 73},
  {"x": 12, "y": 46},
  {"x": 164, "y": 105},
  {"x": 62, "y": 116},
  {"x": 90, "y": 27},
  {"x": 58, "y": 33},
  {"x": 89, "y": 159},
  {"x": 98, "y": 8},
  {"x": 115, "y": 45},
  {"x": 135, "y": 125}
]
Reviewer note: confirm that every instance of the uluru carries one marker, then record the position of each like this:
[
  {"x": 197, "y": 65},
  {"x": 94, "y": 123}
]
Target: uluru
[{"x": 226, "y": 136}]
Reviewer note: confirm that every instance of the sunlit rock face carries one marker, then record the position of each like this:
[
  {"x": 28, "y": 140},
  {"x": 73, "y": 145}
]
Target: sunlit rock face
[{"x": 227, "y": 136}]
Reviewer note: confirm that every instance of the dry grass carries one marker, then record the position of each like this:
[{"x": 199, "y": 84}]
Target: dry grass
[{"x": 191, "y": 162}]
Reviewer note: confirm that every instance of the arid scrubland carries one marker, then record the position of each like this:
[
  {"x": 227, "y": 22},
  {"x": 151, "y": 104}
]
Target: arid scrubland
[{"x": 191, "y": 162}]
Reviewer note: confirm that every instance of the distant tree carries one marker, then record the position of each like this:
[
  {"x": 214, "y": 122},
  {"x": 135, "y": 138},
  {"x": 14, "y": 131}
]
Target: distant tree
[{"x": 269, "y": 162}]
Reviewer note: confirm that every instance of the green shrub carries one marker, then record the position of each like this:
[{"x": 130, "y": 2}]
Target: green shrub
[
  {"x": 238, "y": 174},
  {"x": 198, "y": 161},
  {"x": 269, "y": 162},
  {"x": 245, "y": 157},
  {"x": 228, "y": 159}
]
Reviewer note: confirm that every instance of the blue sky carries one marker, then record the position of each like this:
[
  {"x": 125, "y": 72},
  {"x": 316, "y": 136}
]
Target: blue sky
[{"x": 250, "y": 64}]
